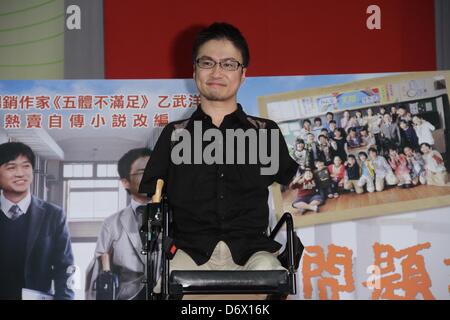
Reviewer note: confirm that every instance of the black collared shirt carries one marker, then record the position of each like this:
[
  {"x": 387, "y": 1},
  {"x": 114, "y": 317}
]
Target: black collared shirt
[{"x": 214, "y": 202}]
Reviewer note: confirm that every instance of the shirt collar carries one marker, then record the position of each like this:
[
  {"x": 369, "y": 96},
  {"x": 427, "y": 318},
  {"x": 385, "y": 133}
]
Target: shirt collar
[
  {"x": 23, "y": 204},
  {"x": 135, "y": 204},
  {"x": 238, "y": 114}
]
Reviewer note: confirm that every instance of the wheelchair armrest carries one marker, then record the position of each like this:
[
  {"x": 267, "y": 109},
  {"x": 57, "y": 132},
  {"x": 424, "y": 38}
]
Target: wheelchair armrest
[
  {"x": 291, "y": 256},
  {"x": 285, "y": 218}
]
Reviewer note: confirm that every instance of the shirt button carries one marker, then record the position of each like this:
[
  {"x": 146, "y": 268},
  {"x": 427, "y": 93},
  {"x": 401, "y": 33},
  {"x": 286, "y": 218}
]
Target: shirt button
[
  {"x": 221, "y": 196},
  {"x": 221, "y": 175}
]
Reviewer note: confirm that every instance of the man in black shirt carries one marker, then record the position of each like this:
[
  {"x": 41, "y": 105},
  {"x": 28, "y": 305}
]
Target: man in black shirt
[{"x": 220, "y": 210}]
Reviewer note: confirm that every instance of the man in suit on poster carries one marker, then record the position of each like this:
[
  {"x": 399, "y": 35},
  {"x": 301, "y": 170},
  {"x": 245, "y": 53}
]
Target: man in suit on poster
[{"x": 35, "y": 247}]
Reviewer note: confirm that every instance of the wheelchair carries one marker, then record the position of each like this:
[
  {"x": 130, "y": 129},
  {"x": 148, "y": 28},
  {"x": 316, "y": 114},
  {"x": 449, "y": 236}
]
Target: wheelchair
[{"x": 159, "y": 249}]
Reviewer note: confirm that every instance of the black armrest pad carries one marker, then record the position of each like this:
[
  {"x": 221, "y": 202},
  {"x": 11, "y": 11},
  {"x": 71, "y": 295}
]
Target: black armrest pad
[{"x": 216, "y": 282}]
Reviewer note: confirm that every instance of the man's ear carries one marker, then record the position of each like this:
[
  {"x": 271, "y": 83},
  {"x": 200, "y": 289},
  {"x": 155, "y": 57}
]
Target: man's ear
[
  {"x": 125, "y": 183},
  {"x": 243, "y": 75}
]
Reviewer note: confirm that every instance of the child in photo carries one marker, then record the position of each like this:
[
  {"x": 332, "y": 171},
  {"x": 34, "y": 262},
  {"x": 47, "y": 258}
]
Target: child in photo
[
  {"x": 399, "y": 164},
  {"x": 353, "y": 123},
  {"x": 434, "y": 166},
  {"x": 390, "y": 134},
  {"x": 353, "y": 139},
  {"x": 394, "y": 114},
  {"x": 307, "y": 196},
  {"x": 352, "y": 175},
  {"x": 383, "y": 171},
  {"x": 337, "y": 174},
  {"x": 417, "y": 165},
  {"x": 404, "y": 115},
  {"x": 323, "y": 179},
  {"x": 359, "y": 119},
  {"x": 424, "y": 130},
  {"x": 367, "y": 173},
  {"x": 300, "y": 154},
  {"x": 330, "y": 117},
  {"x": 326, "y": 150},
  {"x": 345, "y": 119},
  {"x": 317, "y": 127},
  {"x": 367, "y": 138},
  {"x": 313, "y": 149},
  {"x": 331, "y": 127},
  {"x": 324, "y": 132},
  {"x": 408, "y": 134},
  {"x": 306, "y": 129},
  {"x": 339, "y": 144}
]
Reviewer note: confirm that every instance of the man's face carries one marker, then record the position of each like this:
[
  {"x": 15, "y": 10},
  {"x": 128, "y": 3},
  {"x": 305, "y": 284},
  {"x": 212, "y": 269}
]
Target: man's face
[
  {"x": 136, "y": 172},
  {"x": 217, "y": 84},
  {"x": 16, "y": 176}
]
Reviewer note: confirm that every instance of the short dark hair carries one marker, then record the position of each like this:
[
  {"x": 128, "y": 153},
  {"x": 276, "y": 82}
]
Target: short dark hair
[
  {"x": 330, "y": 113},
  {"x": 393, "y": 148},
  {"x": 127, "y": 160},
  {"x": 306, "y": 120},
  {"x": 299, "y": 140},
  {"x": 425, "y": 144},
  {"x": 10, "y": 151},
  {"x": 352, "y": 156},
  {"x": 362, "y": 153},
  {"x": 372, "y": 149},
  {"x": 332, "y": 121},
  {"x": 317, "y": 119},
  {"x": 222, "y": 31}
]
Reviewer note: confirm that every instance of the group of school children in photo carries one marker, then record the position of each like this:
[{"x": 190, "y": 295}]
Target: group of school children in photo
[{"x": 364, "y": 153}]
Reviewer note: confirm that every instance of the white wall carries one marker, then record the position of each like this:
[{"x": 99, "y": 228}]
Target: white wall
[{"x": 400, "y": 231}]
